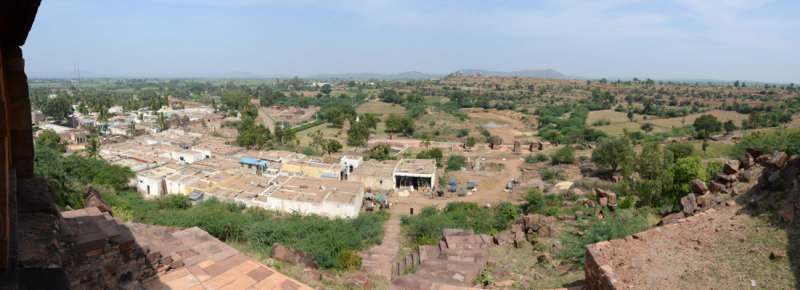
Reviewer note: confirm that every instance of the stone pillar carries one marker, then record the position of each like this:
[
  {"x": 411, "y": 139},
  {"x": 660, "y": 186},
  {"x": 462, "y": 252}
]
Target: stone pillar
[{"x": 4, "y": 170}]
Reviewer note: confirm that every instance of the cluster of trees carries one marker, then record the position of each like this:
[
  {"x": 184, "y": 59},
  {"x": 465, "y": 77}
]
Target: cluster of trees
[
  {"x": 426, "y": 227},
  {"x": 570, "y": 130},
  {"x": 654, "y": 177}
]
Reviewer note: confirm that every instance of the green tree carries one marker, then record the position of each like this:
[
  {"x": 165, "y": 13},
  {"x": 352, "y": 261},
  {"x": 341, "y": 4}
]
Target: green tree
[
  {"x": 369, "y": 120},
  {"x": 431, "y": 153},
  {"x": 652, "y": 161},
  {"x": 326, "y": 89},
  {"x": 455, "y": 162},
  {"x": 729, "y": 126},
  {"x": 83, "y": 109},
  {"x": 535, "y": 201},
  {"x": 470, "y": 142},
  {"x": 358, "y": 135},
  {"x": 132, "y": 129},
  {"x": 51, "y": 140},
  {"x": 681, "y": 150},
  {"x": 235, "y": 99},
  {"x": 163, "y": 122},
  {"x": 755, "y": 119},
  {"x": 317, "y": 139},
  {"x": 647, "y": 127},
  {"x": 58, "y": 108},
  {"x": 707, "y": 123},
  {"x": 684, "y": 171},
  {"x": 611, "y": 152},
  {"x": 93, "y": 148},
  {"x": 331, "y": 146},
  {"x": 380, "y": 152},
  {"x": 397, "y": 123}
]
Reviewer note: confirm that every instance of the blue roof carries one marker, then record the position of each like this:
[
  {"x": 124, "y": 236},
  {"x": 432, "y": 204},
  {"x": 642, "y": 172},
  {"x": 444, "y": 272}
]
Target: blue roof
[
  {"x": 452, "y": 181},
  {"x": 253, "y": 161}
]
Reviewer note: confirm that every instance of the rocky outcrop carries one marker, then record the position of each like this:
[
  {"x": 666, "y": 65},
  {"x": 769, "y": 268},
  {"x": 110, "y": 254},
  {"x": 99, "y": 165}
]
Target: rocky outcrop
[
  {"x": 294, "y": 256},
  {"x": 454, "y": 263},
  {"x": 93, "y": 199}
]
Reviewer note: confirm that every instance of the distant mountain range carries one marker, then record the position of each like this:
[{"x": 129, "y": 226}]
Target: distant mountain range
[{"x": 531, "y": 73}]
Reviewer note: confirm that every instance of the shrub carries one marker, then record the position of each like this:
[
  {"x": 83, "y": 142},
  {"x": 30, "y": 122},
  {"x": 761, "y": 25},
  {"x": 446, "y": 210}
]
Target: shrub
[
  {"x": 564, "y": 155},
  {"x": 541, "y": 157},
  {"x": 173, "y": 202},
  {"x": 548, "y": 174},
  {"x": 349, "y": 260},
  {"x": 597, "y": 230},
  {"x": 535, "y": 200},
  {"x": 551, "y": 211}
]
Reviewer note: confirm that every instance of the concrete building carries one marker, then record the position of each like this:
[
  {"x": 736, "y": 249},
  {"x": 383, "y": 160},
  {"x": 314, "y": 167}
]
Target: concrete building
[
  {"x": 351, "y": 162},
  {"x": 313, "y": 169},
  {"x": 331, "y": 198},
  {"x": 254, "y": 166},
  {"x": 377, "y": 176},
  {"x": 417, "y": 173}
]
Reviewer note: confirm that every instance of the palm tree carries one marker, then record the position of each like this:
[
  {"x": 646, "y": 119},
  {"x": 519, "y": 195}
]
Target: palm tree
[
  {"x": 163, "y": 123},
  {"x": 93, "y": 148},
  {"x": 132, "y": 129}
]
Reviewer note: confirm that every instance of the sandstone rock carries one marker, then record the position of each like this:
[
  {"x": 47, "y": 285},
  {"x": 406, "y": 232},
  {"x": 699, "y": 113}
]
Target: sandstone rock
[
  {"x": 763, "y": 180},
  {"x": 535, "y": 241},
  {"x": 93, "y": 199},
  {"x": 505, "y": 283},
  {"x": 576, "y": 192},
  {"x": 603, "y": 201},
  {"x": 516, "y": 228},
  {"x": 672, "y": 218},
  {"x": 717, "y": 187},
  {"x": 775, "y": 176},
  {"x": 731, "y": 167},
  {"x": 328, "y": 276},
  {"x": 726, "y": 178},
  {"x": 745, "y": 176},
  {"x": 589, "y": 204},
  {"x": 699, "y": 186},
  {"x": 612, "y": 197},
  {"x": 787, "y": 212},
  {"x": 755, "y": 152},
  {"x": 312, "y": 274},
  {"x": 702, "y": 200},
  {"x": 747, "y": 161},
  {"x": 543, "y": 257},
  {"x": 794, "y": 161},
  {"x": 790, "y": 173},
  {"x": 294, "y": 256},
  {"x": 689, "y": 204},
  {"x": 547, "y": 219},
  {"x": 519, "y": 237},
  {"x": 360, "y": 280},
  {"x": 778, "y": 159},
  {"x": 778, "y": 255},
  {"x": 504, "y": 239},
  {"x": 545, "y": 231},
  {"x": 730, "y": 203},
  {"x": 566, "y": 217},
  {"x": 36, "y": 194}
]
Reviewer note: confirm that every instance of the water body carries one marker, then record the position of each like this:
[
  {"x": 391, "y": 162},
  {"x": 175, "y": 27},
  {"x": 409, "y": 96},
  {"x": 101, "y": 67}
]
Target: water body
[{"x": 492, "y": 124}]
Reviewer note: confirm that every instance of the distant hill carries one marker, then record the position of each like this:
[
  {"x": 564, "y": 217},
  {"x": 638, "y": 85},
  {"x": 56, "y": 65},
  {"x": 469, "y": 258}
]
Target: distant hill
[
  {"x": 413, "y": 75},
  {"x": 529, "y": 73}
]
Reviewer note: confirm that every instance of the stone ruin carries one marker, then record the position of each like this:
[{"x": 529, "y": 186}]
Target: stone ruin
[
  {"x": 495, "y": 144},
  {"x": 517, "y": 146},
  {"x": 454, "y": 263},
  {"x": 616, "y": 264}
]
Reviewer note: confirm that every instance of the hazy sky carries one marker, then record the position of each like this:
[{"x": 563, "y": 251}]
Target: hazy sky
[{"x": 725, "y": 40}]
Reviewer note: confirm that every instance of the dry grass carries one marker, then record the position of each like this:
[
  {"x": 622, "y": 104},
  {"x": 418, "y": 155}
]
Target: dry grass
[
  {"x": 523, "y": 268},
  {"x": 378, "y": 107}
]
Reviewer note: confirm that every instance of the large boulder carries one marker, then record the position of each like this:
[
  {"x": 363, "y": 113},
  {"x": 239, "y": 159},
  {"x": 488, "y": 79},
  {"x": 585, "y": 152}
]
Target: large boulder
[
  {"x": 731, "y": 167},
  {"x": 689, "y": 204},
  {"x": 778, "y": 159},
  {"x": 504, "y": 239},
  {"x": 794, "y": 161},
  {"x": 294, "y": 256},
  {"x": 699, "y": 187},
  {"x": 787, "y": 212},
  {"x": 612, "y": 197},
  {"x": 672, "y": 218},
  {"x": 360, "y": 280},
  {"x": 746, "y": 161},
  {"x": 790, "y": 173},
  {"x": 745, "y": 176},
  {"x": 717, "y": 187},
  {"x": 755, "y": 152},
  {"x": 763, "y": 180},
  {"x": 726, "y": 178}
]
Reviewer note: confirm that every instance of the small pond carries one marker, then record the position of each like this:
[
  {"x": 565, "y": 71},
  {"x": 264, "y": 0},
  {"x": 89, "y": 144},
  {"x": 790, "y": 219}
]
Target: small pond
[{"x": 492, "y": 124}]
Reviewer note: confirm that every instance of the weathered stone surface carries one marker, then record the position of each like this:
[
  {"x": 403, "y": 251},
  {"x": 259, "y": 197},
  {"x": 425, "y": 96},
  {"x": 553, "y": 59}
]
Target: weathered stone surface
[
  {"x": 763, "y": 180},
  {"x": 731, "y": 167},
  {"x": 778, "y": 255},
  {"x": 36, "y": 194},
  {"x": 603, "y": 201},
  {"x": 612, "y": 197},
  {"x": 755, "y": 152},
  {"x": 672, "y": 218},
  {"x": 516, "y": 228},
  {"x": 689, "y": 204},
  {"x": 312, "y": 274},
  {"x": 794, "y": 161},
  {"x": 699, "y": 187},
  {"x": 506, "y": 283},
  {"x": 775, "y": 176},
  {"x": 543, "y": 257},
  {"x": 535, "y": 241},
  {"x": 702, "y": 200},
  {"x": 519, "y": 238},
  {"x": 499, "y": 273},
  {"x": 778, "y": 159},
  {"x": 726, "y": 178},
  {"x": 745, "y": 176},
  {"x": 360, "y": 280},
  {"x": 790, "y": 173},
  {"x": 294, "y": 256},
  {"x": 93, "y": 199},
  {"x": 566, "y": 217},
  {"x": 747, "y": 161},
  {"x": 504, "y": 239},
  {"x": 717, "y": 187},
  {"x": 787, "y": 212}
]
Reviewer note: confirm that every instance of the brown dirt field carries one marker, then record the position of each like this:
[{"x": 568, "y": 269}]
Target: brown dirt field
[{"x": 516, "y": 129}]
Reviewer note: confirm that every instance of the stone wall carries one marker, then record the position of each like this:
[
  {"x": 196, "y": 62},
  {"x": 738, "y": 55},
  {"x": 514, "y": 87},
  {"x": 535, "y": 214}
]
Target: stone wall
[{"x": 97, "y": 253}]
